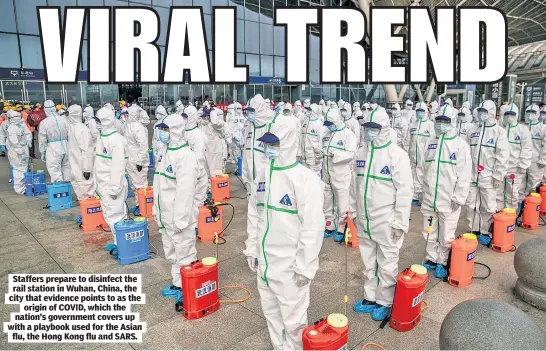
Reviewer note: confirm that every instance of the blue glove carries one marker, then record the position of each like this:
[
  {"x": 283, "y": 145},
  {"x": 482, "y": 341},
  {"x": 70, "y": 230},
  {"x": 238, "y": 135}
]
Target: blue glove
[{"x": 3, "y": 147}]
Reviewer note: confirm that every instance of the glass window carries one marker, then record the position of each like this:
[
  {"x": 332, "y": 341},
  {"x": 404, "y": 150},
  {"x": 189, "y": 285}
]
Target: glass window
[
  {"x": 240, "y": 8},
  {"x": 266, "y": 11},
  {"x": 115, "y": 3},
  {"x": 240, "y": 59},
  {"x": 253, "y": 62},
  {"x": 211, "y": 61},
  {"x": 240, "y": 36},
  {"x": 83, "y": 63},
  {"x": 165, "y": 3},
  {"x": 31, "y": 52},
  {"x": 10, "y": 41},
  {"x": 91, "y": 3},
  {"x": 279, "y": 41},
  {"x": 205, "y": 4},
  {"x": 147, "y": 2},
  {"x": 208, "y": 30},
  {"x": 249, "y": 92},
  {"x": 259, "y": 89},
  {"x": 252, "y": 37},
  {"x": 279, "y": 3},
  {"x": 276, "y": 93},
  {"x": 267, "y": 66},
  {"x": 218, "y": 3},
  {"x": 285, "y": 93},
  {"x": 279, "y": 67},
  {"x": 314, "y": 45},
  {"x": 314, "y": 67},
  {"x": 182, "y": 3},
  {"x": 251, "y": 10},
  {"x": 27, "y": 17},
  {"x": 163, "y": 23},
  {"x": 316, "y": 95},
  {"x": 268, "y": 91},
  {"x": 266, "y": 39},
  {"x": 228, "y": 94},
  {"x": 240, "y": 93}
]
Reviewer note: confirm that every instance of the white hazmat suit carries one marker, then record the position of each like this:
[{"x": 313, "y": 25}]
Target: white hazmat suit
[
  {"x": 157, "y": 146},
  {"x": 53, "y": 144},
  {"x": 534, "y": 174},
  {"x": 18, "y": 141},
  {"x": 420, "y": 130},
  {"x": 137, "y": 150},
  {"x": 81, "y": 150},
  {"x": 311, "y": 140}
]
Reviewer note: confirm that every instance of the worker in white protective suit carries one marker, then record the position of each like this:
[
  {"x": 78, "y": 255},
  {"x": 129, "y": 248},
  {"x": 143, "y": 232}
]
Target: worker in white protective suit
[
  {"x": 520, "y": 153},
  {"x": 356, "y": 107},
  {"x": 179, "y": 107},
  {"x": 143, "y": 116},
  {"x": 350, "y": 121},
  {"x": 311, "y": 140},
  {"x": 137, "y": 150},
  {"x": 109, "y": 172},
  {"x": 288, "y": 111},
  {"x": 384, "y": 196},
  {"x": 53, "y": 144},
  {"x": 420, "y": 130},
  {"x": 298, "y": 112},
  {"x": 306, "y": 103},
  {"x": 464, "y": 120},
  {"x": 475, "y": 118},
  {"x": 81, "y": 149},
  {"x": 18, "y": 141},
  {"x": 89, "y": 121},
  {"x": 408, "y": 113},
  {"x": 400, "y": 125},
  {"x": 237, "y": 125},
  {"x": 443, "y": 183},
  {"x": 502, "y": 110},
  {"x": 339, "y": 145},
  {"x": 448, "y": 101},
  {"x": 537, "y": 130},
  {"x": 284, "y": 250},
  {"x": 157, "y": 146},
  {"x": 434, "y": 108},
  {"x": 196, "y": 140},
  {"x": 175, "y": 207},
  {"x": 216, "y": 133},
  {"x": 489, "y": 150}
]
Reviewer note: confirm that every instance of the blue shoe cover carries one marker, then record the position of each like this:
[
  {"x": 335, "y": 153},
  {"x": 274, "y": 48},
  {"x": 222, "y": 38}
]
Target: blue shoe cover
[
  {"x": 135, "y": 210},
  {"x": 113, "y": 250},
  {"x": 440, "y": 272},
  {"x": 329, "y": 233},
  {"x": 380, "y": 313},
  {"x": 364, "y": 306},
  {"x": 429, "y": 265},
  {"x": 339, "y": 237},
  {"x": 484, "y": 239},
  {"x": 171, "y": 291},
  {"x": 416, "y": 202},
  {"x": 78, "y": 219}
]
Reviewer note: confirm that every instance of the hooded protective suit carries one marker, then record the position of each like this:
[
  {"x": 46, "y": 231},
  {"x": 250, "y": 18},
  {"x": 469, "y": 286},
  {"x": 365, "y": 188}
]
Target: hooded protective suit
[
  {"x": 298, "y": 112},
  {"x": 137, "y": 150},
  {"x": 434, "y": 108},
  {"x": 288, "y": 238},
  {"x": 53, "y": 144},
  {"x": 464, "y": 122},
  {"x": 110, "y": 164},
  {"x": 89, "y": 121},
  {"x": 383, "y": 208},
  {"x": 535, "y": 172},
  {"x": 351, "y": 122},
  {"x": 338, "y": 148},
  {"x": 420, "y": 130},
  {"x": 237, "y": 124},
  {"x": 254, "y": 159},
  {"x": 400, "y": 125},
  {"x": 81, "y": 150},
  {"x": 311, "y": 140},
  {"x": 502, "y": 110},
  {"x": 408, "y": 112},
  {"x": 18, "y": 140},
  {"x": 489, "y": 150},
  {"x": 175, "y": 207},
  {"x": 443, "y": 179},
  {"x": 520, "y": 152},
  {"x": 143, "y": 117},
  {"x": 157, "y": 146},
  {"x": 179, "y": 107},
  {"x": 449, "y": 102},
  {"x": 196, "y": 141},
  {"x": 356, "y": 107},
  {"x": 216, "y": 132}
]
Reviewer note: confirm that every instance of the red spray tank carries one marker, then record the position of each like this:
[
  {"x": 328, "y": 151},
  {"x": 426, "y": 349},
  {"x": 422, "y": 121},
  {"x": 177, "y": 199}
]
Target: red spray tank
[
  {"x": 92, "y": 217},
  {"x": 463, "y": 252},
  {"x": 209, "y": 222},
  {"x": 543, "y": 197},
  {"x": 219, "y": 188},
  {"x": 531, "y": 211},
  {"x": 146, "y": 201},
  {"x": 200, "y": 288},
  {"x": 410, "y": 290},
  {"x": 329, "y": 334},
  {"x": 503, "y": 230}
]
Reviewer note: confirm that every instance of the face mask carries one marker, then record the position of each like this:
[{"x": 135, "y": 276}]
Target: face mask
[
  {"x": 286, "y": 112},
  {"x": 343, "y": 113},
  {"x": 239, "y": 111},
  {"x": 483, "y": 116},
  {"x": 543, "y": 116},
  {"x": 370, "y": 134},
  {"x": 332, "y": 128},
  {"x": 272, "y": 151},
  {"x": 420, "y": 114},
  {"x": 163, "y": 136},
  {"x": 442, "y": 128},
  {"x": 251, "y": 116},
  {"x": 531, "y": 116}
]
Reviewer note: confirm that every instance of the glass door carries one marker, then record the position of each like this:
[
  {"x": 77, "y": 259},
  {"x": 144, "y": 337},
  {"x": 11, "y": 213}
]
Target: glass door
[
  {"x": 72, "y": 94},
  {"x": 92, "y": 95},
  {"x": 55, "y": 93},
  {"x": 13, "y": 91},
  {"x": 35, "y": 92}
]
